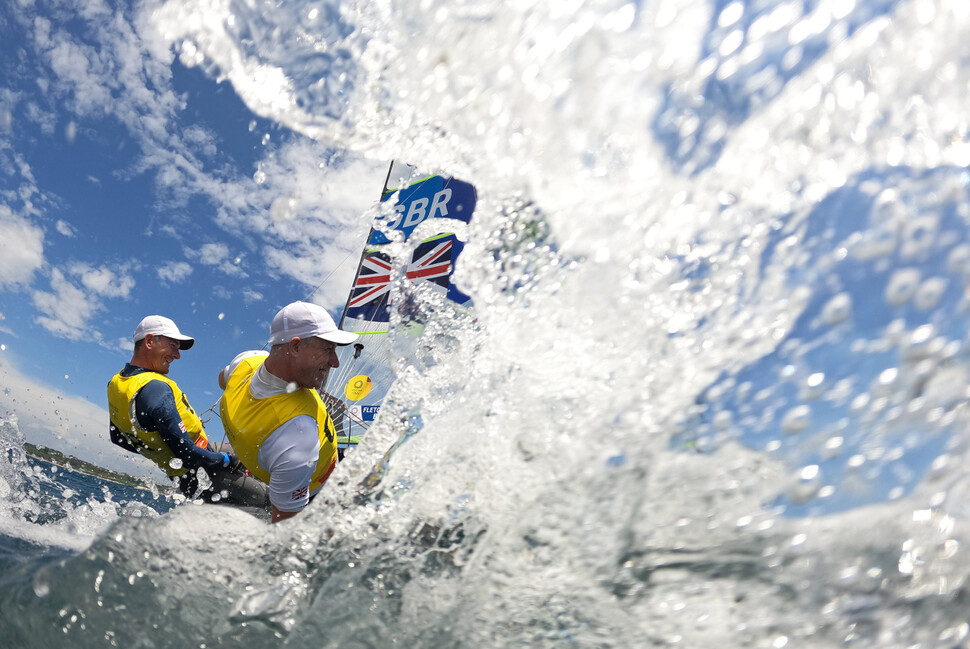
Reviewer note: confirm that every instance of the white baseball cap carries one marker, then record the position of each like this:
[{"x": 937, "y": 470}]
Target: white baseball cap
[
  {"x": 303, "y": 320},
  {"x": 161, "y": 326}
]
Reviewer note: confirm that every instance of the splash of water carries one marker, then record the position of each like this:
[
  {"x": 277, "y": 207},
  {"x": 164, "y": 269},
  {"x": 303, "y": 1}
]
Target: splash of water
[
  {"x": 712, "y": 390},
  {"x": 38, "y": 509}
]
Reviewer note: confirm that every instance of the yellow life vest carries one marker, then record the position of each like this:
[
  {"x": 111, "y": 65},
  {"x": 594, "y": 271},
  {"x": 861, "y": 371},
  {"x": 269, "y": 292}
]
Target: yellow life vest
[
  {"x": 249, "y": 421},
  {"x": 121, "y": 408}
]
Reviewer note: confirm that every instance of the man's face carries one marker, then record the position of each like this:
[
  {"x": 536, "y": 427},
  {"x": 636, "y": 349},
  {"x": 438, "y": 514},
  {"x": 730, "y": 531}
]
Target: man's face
[
  {"x": 162, "y": 350},
  {"x": 315, "y": 359}
]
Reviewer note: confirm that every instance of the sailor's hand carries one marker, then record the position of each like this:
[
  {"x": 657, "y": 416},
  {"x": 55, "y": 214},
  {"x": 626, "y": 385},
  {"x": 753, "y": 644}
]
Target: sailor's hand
[{"x": 234, "y": 464}]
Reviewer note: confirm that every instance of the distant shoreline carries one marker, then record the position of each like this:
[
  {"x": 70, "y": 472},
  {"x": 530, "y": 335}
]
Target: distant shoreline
[{"x": 71, "y": 463}]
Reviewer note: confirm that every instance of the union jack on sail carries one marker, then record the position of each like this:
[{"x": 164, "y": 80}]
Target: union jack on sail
[
  {"x": 431, "y": 261},
  {"x": 373, "y": 281}
]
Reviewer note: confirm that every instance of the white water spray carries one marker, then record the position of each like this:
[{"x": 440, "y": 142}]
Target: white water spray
[{"x": 719, "y": 271}]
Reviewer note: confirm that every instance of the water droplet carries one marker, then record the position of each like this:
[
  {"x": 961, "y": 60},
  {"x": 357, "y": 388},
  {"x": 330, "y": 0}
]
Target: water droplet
[
  {"x": 41, "y": 588},
  {"x": 929, "y": 293},
  {"x": 837, "y": 309},
  {"x": 797, "y": 419},
  {"x": 284, "y": 208},
  {"x": 902, "y": 285}
]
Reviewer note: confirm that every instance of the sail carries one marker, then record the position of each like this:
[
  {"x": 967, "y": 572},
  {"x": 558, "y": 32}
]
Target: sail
[{"x": 386, "y": 284}]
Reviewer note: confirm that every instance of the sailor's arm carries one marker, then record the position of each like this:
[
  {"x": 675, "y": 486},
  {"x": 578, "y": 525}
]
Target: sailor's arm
[
  {"x": 156, "y": 410},
  {"x": 290, "y": 456},
  {"x": 120, "y": 439}
]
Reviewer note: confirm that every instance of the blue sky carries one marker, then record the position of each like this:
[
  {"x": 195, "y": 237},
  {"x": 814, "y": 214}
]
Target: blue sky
[{"x": 134, "y": 185}]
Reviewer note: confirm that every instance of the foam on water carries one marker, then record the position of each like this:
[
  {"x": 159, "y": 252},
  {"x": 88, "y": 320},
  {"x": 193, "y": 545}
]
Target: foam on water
[
  {"x": 38, "y": 509},
  {"x": 712, "y": 391}
]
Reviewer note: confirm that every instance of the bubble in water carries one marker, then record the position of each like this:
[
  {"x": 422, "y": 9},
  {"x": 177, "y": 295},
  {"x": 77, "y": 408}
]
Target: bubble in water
[
  {"x": 958, "y": 261},
  {"x": 833, "y": 446},
  {"x": 797, "y": 419},
  {"x": 723, "y": 420},
  {"x": 919, "y": 236},
  {"x": 922, "y": 343},
  {"x": 41, "y": 587},
  {"x": 902, "y": 286},
  {"x": 814, "y": 386},
  {"x": 929, "y": 293},
  {"x": 837, "y": 309},
  {"x": 284, "y": 208},
  {"x": 807, "y": 485}
]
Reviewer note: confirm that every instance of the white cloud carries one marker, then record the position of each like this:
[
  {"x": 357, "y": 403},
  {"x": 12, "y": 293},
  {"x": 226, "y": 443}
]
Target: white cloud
[
  {"x": 331, "y": 279},
  {"x": 65, "y": 228},
  {"x": 250, "y": 296},
  {"x": 221, "y": 292},
  {"x": 103, "y": 280},
  {"x": 213, "y": 254},
  {"x": 66, "y": 310},
  {"x": 170, "y": 230},
  {"x": 21, "y": 249},
  {"x": 49, "y": 417},
  {"x": 202, "y": 139},
  {"x": 174, "y": 271},
  {"x": 218, "y": 256},
  {"x": 45, "y": 119},
  {"x": 82, "y": 68}
]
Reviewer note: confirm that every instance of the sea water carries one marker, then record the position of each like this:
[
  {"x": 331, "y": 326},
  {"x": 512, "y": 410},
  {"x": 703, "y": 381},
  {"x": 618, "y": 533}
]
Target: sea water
[{"x": 712, "y": 391}]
